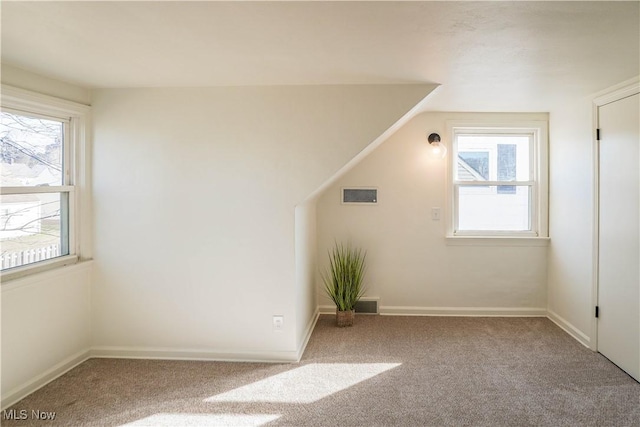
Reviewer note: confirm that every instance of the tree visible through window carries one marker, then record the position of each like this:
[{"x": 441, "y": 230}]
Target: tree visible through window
[{"x": 35, "y": 197}]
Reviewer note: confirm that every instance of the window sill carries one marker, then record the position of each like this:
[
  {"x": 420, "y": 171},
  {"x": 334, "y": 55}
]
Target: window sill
[
  {"x": 28, "y": 274},
  {"x": 496, "y": 241}
]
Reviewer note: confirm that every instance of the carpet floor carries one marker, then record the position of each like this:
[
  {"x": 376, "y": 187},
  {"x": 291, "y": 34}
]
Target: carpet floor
[{"x": 384, "y": 371}]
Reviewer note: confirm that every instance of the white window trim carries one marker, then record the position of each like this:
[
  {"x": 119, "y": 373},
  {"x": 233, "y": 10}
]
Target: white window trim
[
  {"x": 539, "y": 197},
  {"x": 76, "y": 172}
]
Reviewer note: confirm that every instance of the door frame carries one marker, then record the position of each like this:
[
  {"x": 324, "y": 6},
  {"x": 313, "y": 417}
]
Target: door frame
[{"x": 616, "y": 93}]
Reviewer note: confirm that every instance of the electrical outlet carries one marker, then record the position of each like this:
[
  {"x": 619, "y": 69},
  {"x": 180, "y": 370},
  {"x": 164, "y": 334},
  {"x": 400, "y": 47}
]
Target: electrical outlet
[
  {"x": 435, "y": 214},
  {"x": 278, "y": 323}
]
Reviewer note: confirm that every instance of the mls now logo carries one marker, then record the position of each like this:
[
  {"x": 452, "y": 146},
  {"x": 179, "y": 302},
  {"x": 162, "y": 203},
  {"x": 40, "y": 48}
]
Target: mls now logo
[
  {"x": 23, "y": 414},
  {"x": 43, "y": 415},
  {"x": 14, "y": 414}
]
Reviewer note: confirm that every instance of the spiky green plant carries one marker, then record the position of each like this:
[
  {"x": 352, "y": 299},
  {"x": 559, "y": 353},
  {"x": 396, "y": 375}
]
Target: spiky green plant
[{"x": 343, "y": 279}]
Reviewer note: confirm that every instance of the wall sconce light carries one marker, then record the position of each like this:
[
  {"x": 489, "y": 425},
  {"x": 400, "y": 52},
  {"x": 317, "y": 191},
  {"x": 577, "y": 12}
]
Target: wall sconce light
[{"x": 437, "y": 150}]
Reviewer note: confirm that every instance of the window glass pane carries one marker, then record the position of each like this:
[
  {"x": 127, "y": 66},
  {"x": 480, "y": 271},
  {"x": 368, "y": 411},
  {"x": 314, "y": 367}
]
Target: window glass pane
[
  {"x": 489, "y": 209},
  {"x": 33, "y": 227},
  {"x": 493, "y": 158},
  {"x": 473, "y": 165},
  {"x": 506, "y": 167},
  {"x": 31, "y": 150}
]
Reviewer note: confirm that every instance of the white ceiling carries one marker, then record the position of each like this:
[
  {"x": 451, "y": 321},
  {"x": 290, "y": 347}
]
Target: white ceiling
[{"x": 507, "y": 56}]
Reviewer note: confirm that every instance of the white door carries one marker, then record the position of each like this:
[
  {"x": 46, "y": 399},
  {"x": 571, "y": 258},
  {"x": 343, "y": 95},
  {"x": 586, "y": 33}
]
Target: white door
[{"x": 619, "y": 234}]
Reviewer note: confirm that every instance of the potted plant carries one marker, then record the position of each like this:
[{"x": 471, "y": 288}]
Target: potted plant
[{"x": 343, "y": 281}]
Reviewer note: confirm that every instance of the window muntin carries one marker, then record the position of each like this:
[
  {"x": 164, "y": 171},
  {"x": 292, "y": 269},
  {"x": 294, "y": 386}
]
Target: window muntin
[
  {"x": 37, "y": 191},
  {"x": 495, "y": 181}
]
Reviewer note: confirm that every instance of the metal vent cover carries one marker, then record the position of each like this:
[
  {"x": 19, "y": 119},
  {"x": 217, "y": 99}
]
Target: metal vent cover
[
  {"x": 360, "y": 195},
  {"x": 367, "y": 307}
]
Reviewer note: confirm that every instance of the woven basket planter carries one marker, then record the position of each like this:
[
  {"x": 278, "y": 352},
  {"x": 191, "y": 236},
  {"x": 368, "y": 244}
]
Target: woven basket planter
[{"x": 345, "y": 318}]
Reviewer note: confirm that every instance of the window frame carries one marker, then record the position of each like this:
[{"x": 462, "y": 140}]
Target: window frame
[
  {"x": 75, "y": 118},
  {"x": 538, "y": 179}
]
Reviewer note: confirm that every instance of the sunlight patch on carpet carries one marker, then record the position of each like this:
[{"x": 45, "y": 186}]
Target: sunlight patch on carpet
[
  {"x": 204, "y": 420},
  {"x": 305, "y": 384}
]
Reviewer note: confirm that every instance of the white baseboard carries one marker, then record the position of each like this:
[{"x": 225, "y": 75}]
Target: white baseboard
[
  {"x": 451, "y": 311},
  {"x": 22, "y": 391},
  {"x": 478, "y": 312},
  {"x": 569, "y": 328},
  {"x": 463, "y": 311},
  {"x": 308, "y": 332},
  {"x": 327, "y": 309},
  {"x": 71, "y": 362},
  {"x": 193, "y": 354}
]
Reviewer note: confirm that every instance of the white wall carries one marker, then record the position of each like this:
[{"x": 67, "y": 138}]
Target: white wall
[
  {"x": 194, "y": 198},
  {"x": 571, "y": 302},
  {"x": 45, "y": 85},
  {"x": 46, "y": 328},
  {"x": 411, "y": 267},
  {"x": 570, "y": 266},
  {"x": 46, "y": 319},
  {"x": 306, "y": 243}
]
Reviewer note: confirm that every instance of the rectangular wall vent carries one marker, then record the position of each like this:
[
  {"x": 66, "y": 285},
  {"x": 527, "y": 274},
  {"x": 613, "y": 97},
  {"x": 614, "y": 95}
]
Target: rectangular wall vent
[
  {"x": 360, "y": 195},
  {"x": 367, "y": 306}
]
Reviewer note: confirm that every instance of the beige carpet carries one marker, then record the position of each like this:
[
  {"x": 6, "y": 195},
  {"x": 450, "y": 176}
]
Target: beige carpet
[{"x": 385, "y": 371}]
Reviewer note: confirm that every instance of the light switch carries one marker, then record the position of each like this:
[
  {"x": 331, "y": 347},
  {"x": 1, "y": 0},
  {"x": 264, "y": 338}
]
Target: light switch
[
  {"x": 435, "y": 214},
  {"x": 278, "y": 323}
]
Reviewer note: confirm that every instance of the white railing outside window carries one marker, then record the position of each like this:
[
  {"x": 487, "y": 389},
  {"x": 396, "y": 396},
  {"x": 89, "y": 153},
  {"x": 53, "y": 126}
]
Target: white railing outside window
[{"x": 28, "y": 256}]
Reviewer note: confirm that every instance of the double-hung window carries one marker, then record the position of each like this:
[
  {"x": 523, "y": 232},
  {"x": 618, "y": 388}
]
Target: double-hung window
[
  {"x": 39, "y": 141},
  {"x": 498, "y": 180}
]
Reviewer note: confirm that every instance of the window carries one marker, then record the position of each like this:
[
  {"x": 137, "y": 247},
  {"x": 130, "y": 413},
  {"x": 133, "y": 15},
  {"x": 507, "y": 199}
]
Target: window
[
  {"x": 498, "y": 180},
  {"x": 40, "y": 142}
]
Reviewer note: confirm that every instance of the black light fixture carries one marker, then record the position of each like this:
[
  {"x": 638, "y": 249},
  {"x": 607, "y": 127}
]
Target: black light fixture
[{"x": 437, "y": 149}]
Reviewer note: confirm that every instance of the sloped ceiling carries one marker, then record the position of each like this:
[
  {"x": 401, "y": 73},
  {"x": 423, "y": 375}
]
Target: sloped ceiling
[{"x": 503, "y": 56}]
